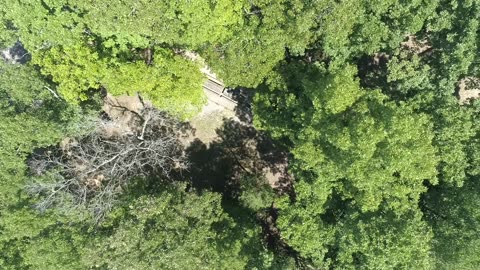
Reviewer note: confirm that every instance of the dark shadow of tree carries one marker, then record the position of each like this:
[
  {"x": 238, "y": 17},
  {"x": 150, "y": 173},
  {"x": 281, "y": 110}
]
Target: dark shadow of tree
[
  {"x": 221, "y": 165},
  {"x": 239, "y": 150},
  {"x": 244, "y": 98},
  {"x": 372, "y": 70}
]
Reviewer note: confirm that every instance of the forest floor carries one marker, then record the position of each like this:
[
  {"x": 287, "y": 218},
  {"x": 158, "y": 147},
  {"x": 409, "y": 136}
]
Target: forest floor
[
  {"x": 205, "y": 124},
  {"x": 221, "y": 144},
  {"x": 224, "y": 135}
]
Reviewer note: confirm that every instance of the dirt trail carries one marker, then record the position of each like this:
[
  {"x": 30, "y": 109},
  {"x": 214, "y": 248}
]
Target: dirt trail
[{"x": 205, "y": 124}]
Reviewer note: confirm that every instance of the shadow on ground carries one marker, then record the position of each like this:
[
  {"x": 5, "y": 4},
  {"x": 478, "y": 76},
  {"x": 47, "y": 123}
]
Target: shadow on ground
[
  {"x": 372, "y": 70},
  {"x": 221, "y": 165},
  {"x": 244, "y": 99},
  {"x": 239, "y": 150}
]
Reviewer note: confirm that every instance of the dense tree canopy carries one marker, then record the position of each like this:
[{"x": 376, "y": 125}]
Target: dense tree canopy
[
  {"x": 174, "y": 229},
  {"x": 358, "y": 141},
  {"x": 370, "y": 110},
  {"x": 453, "y": 213}
]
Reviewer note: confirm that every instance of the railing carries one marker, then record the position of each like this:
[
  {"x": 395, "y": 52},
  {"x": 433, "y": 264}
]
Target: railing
[{"x": 218, "y": 88}]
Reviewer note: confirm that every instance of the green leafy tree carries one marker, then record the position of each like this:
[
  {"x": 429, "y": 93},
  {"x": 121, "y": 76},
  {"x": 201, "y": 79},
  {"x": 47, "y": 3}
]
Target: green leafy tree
[
  {"x": 371, "y": 151},
  {"x": 412, "y": 79},
  {"x": 260, "y": 43},
  {"x": 454, "y": 216},
  {"x": 181, "y": 23},
  {"x": 171, "y": 83},
  {"x": 49, "y": 24},
  {"x": 363, "y": 157},
  {"x": 454, "y": 134},
  {"x": 336, "y": 234},
  {"x": 31, "y": 116},
  {"x": 78, "y": 50},
  {"x": 383, "y": 240},
  {"x": 351, "y": 28},
  {"x": 174, "y": 229},
  {"x": 454, "y": 37}
]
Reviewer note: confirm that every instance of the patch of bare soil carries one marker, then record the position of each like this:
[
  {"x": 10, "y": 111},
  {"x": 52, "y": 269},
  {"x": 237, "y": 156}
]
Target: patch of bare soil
[
  {"x": 124, "y": 111},
  {"x": 469, "y": 89},
  {"x": 277, "y": 175},
  {"x": 205, "y": 124}
]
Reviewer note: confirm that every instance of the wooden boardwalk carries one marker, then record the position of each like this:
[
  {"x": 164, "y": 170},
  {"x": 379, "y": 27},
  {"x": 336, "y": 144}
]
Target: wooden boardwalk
[
  {"x": 217, "y": 88},
  {"x": 216, "y": 92},
  {"x": 214, "y": 88}
]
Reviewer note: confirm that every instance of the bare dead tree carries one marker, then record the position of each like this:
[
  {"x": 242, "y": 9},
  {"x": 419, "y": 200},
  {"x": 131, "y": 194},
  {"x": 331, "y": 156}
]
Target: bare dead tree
[
  {"x": 91, "y": 172},
  {"x": 148, "y": 56}
]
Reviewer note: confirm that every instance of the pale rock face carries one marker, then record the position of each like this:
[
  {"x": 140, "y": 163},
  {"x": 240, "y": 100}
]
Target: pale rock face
[
  {"x": 15, "y": 54},
  {"x": 469, "y": 89}
]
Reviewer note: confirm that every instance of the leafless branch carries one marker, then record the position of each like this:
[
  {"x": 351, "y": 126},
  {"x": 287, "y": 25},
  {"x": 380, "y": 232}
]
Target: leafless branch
[
  {"x": 92, "y": 171},
  {"x": 51, "y": 91}
]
